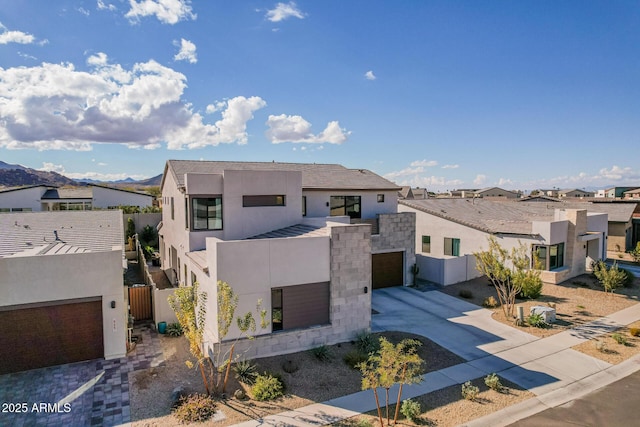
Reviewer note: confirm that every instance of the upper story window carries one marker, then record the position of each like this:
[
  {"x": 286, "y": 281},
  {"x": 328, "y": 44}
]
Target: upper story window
[
  {"x": 380, "y": 198},
  {"x": 264, "y": 200},
  {"x": 206, "y": 213},
  {"x": 346, "y": 205},
  {"x": 451, "y": 246},
  {"x": 173, "y": 212},
  {"x": 426, "y": 244}
]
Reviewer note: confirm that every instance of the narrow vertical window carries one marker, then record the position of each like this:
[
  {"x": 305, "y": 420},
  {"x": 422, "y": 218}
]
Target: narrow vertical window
[
  {"x": 426, "y": 244},
  {"x": 276, "y": 310}
]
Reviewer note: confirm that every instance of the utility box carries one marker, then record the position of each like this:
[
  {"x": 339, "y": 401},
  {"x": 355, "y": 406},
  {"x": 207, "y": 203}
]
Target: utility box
[{"x": 548, "y": 313}]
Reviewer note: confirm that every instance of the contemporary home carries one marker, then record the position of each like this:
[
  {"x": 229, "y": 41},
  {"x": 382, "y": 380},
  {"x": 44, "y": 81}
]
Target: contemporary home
[
  {"x": 449, "y": 231},
  {"x": 632, "y": 194},
  {"x": 614, "y": 192},
  {"x": 310, "y": 241},
  {"x": 575, "y": 193},
  {"x": 492, "y": 192},
  {"x": 36, "y": 198},
  {"x": 61, "y": 286}
]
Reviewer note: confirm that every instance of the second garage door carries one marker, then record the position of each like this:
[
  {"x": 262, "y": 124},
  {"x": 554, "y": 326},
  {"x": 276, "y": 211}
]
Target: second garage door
[
  {"x": 386, "y": 269},
  {"x": 52, "y": 334}
]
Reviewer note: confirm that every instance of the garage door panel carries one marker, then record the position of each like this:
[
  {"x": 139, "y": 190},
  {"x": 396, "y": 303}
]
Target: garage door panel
[
  {"x": 387, "y": 269},
  {"x": 51, "y": 335}
]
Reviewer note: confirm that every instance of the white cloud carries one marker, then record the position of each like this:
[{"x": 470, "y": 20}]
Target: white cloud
[
  {"x": 480, "y": 179},
  {"x": 284, "y": 11},
  {"x": 104, "y": 6},
  {"x": 424, "y": 163},
  {"x": 369, "y": 75},
  {"x": 19, "y": 37},
  {"x": 505, "y": 182},
  {"x": 187, "y": 51},
  {"x": 50, "y": 167},
  {"x": 54, "y": 107},
  {"x": 167, "y": 11},
  {"x": 84, "y": 11},
  {"x": 404, "y": 173},
  {"x": 285, "y": 128},
  {"x": 450, "y": 166},
  {"x": 617, "y": 173}
]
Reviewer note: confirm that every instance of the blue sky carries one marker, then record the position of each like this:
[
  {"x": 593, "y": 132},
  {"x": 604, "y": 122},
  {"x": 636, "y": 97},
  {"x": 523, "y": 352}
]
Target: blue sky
[{"x": 436, "y": 94}]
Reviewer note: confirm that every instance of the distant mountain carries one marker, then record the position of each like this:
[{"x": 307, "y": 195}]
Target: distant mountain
[
  {"x": 18, "y": 177},
  {"x": 4, "y": 165},
  {"x": 154, "y": 181}
]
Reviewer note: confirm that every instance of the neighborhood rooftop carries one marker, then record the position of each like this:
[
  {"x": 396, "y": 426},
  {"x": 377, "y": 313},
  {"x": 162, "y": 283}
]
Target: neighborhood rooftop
[
  {"x": 314, "y": 176},
  {"x": 76, "y": 231}
]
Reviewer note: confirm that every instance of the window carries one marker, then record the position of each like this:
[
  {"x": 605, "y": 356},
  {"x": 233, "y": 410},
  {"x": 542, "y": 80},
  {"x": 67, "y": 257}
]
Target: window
[
  {"x": 265, "y": 200},
  {"x": 451, "y": 246},
  {"x": 426, "y": 244},
  {"x": 345, "y": 205},
  {"x": 172, "y": 209},
  {"x": 380, "y": 198},
  {"x": 206, "y": 213},
  {"x": 550, "y": 257},
  {"x": 194, "y": 279},
  {"x": 299, "y": 306},
  {"x": 186, "y": 213},
  {"x": 304, "y": 205}
]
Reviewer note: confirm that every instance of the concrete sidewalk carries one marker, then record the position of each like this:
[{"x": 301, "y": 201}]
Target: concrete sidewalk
[{"x": 547, "y": 367}]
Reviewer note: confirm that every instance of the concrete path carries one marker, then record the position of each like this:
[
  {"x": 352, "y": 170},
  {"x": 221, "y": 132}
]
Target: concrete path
[{"x": 547, "y": 367}]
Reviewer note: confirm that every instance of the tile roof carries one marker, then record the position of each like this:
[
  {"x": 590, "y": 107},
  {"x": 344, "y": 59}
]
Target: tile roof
[
  {"x": 314, "y": 176},
  {"x": 60, "y": 232},
  {"x": 68, "y": 193},
  {"x": 298, "y": 230}
]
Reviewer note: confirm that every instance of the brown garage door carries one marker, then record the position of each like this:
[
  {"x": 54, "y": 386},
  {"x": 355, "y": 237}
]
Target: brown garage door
[
  {"x": 386, "y": 270},
  {"x": 48, "y": 335}
]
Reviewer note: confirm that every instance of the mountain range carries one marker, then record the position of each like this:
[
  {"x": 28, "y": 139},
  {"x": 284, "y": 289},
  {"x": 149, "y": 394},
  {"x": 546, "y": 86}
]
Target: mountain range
[{"x": 17, "y": 175}]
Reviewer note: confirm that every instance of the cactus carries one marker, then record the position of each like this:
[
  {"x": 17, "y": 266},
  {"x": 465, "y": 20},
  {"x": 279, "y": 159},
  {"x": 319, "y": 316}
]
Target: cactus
[{"x": 415, "y": 270}]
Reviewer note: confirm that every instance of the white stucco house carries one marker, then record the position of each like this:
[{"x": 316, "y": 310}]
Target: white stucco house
[
  {"x": 308, "y": 240},
  {"x": 449, "y": 231},
  {"x": 36, "y": 198},
  {"x": 61, "y": 288}
]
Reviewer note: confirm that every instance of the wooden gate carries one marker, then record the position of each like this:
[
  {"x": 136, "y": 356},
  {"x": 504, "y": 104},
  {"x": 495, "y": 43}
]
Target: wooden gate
[{"x": 140, "y": 302}]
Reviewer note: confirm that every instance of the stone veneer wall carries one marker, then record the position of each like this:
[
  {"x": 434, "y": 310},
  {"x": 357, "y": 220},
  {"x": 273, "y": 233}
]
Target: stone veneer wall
[
  {"x": 397, "y": 232},
  {"x": 575, "y": 252},
  {"x": 350, "y": 306}
]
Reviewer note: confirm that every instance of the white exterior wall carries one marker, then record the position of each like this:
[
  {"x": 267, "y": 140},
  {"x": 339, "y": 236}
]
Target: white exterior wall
[
  {"x": 25, "y": 198},
  {"x": 318, "y": 202},
  {"x": 26, "y": 280},
  {"x": 162, "y": 311},
  {"x": 552, "y": 233},
  {"x": 105, "y": 197}
]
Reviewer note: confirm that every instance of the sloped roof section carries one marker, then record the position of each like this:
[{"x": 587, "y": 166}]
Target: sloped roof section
[
  {"x": 50, "y": 233},
  {"x": 68, "y": 193},
  {"x": 314, "y": 176}
]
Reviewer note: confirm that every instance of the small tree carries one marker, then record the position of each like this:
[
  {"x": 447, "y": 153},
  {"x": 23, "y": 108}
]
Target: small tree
[
  {"x": 410, "y": 367},
  {"x": 131, "y": 229},
  {"x": 611, "y": 278},
  {"x": 635, "y": 253}
]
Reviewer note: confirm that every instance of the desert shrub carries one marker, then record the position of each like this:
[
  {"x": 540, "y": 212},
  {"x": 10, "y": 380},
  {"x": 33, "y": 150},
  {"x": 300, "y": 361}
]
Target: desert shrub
[
  {"x": 531, "y": 287},
  {"x": 601, "y": 346},
  {"x": 290, "y": 367},
  {"x": 493, "y": 382},
  {"x": 634, "y": 332},
  {"x": 619, "y": 338},
  {"x": 469, "y": 391},
  {"x": 267, "y": 387},
  {"x": 367, "y": 343},
  {"x": 354, "y": 358},
  {"x": 245, "y": 371},
  {"x": 174, "y": 329},
  {"x": 610, "y": 278},
  {"x": 465, "y": 293},
  {"x": 322, "y": 353},
  {"x": 537, "y": 321},
  {"x": 195, "y": 408},
  {"x": 490, "y": 302},
  {"x": 410, "y": 409}
]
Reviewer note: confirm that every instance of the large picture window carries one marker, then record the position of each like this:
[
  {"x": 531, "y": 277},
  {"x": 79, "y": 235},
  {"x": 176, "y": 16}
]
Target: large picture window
[
  {"x": 206, "y": 213},
  {"x": 451, "y": 246},
  {"x": 550, "y": 257},
  {"x": 346, "y": 205}
]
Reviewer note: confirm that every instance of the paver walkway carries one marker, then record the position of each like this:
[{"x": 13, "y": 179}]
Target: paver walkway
[
  {"x": 542, "y": 365},
  {"x": 97, "y": 390}
]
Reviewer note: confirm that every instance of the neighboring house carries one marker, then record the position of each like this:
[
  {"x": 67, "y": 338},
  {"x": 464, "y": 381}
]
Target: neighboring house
[
  {"x": 574, "y": 193},
  {"x": 632, "y": 194},
  {"x": 61, "y": 281},
  {"x": 613, "y": 192},
  {"x": 496, "y": 192},
  {"x": 45, "y": 198},
  {"x": 449, "y": 231},
  {"x": 409, "y": 193},
  {"x": 545, "y": 192},
  {"x": 308, "y": 240},
  {"x": 538, "y": 198},
  {"x": 464, "y": 193}
]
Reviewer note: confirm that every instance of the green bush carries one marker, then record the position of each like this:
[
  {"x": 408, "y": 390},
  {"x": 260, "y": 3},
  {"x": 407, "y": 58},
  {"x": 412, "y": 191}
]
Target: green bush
[
  {"x": 531, "y": 287},
  {"x": 354, "y": 358},
  {"x": 174, "y": 329},
  {"x": 537, "y": 321},
  {"x": 410, "y": 409},
  {"x": 493, "y": 382},
  {"x": 245, "y": 371},
  {"x": 267, "y": 387},
  {"x": 469, "y": 391},
  {"x": 195, "y": 408},
  {"x": 464, "y": 293},
  {"x": 322, "y": 353},
  {"x": 619, "y": 338},
  {"x": 367, "y": 343}
]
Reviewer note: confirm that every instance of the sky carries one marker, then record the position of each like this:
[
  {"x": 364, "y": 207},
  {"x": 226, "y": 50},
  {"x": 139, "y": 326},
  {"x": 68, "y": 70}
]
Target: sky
[{"x": 436, "y": 94}]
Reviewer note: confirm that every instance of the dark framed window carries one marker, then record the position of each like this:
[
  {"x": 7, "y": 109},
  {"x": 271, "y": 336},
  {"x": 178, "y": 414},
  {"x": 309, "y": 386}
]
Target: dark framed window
[
  {"x": 426, "y": 244},
  {"x": 380, "y": 198},
  {"x": 304, "y": 205},
  {"x": 550, "y": 257},
  {"x": 172, "y": 209},
  {"x": 276, "y": 310},
  {"x": 206, "y": 213},
  {"x": 346, "y": 205},
  {"x": 263, "y": 200},
  {"x": 186, "y": 213},
  {"x": 451, "y": 246}
]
